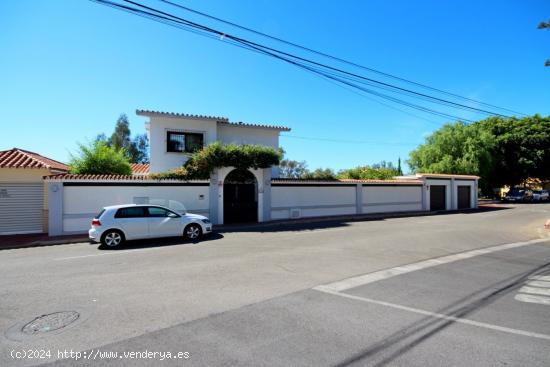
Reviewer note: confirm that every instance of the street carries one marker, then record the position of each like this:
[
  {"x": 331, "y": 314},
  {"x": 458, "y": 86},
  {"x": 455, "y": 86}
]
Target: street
[{"x": 457, "y": 289}]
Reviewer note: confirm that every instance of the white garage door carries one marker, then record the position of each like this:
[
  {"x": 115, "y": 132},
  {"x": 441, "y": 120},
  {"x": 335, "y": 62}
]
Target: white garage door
[{"x": 21, "y": 208}]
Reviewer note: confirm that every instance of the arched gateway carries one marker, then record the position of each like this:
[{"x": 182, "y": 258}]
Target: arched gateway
[{"x": 240, "y": 197}]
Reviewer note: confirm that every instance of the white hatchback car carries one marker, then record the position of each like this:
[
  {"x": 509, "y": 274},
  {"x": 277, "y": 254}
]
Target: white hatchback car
[{"x": 118, "y": 223}]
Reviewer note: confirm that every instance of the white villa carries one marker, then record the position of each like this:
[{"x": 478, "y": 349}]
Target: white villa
[{"x": 230, "y": 195}]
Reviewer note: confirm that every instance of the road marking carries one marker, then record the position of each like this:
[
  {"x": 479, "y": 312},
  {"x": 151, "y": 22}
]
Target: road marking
[
  {"x": 436, "y": 315},
  {"x": 539, "y": 283},
  {"x": 532, "y": 299},
  {"x": 545, "y": 278},
  {"x": 360, "y": 280},
  {"x": 118, "y": 252},
  {"x": 535, "y": 290}
]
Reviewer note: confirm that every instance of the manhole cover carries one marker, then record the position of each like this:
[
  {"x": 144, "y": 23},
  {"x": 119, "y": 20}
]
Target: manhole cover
[{"x": 50, "y": 322}]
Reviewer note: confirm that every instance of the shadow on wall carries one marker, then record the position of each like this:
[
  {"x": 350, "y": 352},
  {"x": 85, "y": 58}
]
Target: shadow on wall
[{"x": 315, "y": 223}]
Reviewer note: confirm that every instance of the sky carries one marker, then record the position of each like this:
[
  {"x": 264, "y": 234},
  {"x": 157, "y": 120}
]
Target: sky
[{"x": 69, "y": 68}]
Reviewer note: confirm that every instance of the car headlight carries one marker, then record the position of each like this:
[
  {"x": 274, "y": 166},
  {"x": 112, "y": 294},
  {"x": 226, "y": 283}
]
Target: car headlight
[{"x": 205, "y": 221}]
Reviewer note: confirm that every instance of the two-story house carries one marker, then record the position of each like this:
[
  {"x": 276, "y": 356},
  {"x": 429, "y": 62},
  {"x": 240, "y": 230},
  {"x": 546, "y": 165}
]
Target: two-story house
[{"x": 173, "y": 136}]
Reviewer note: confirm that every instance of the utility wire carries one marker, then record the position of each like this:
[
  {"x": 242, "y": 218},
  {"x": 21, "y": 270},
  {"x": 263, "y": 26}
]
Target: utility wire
[
  {"x": 336, "y": 58},
  {"x": 346, "y": 141},
  {"x": 181, "y": 23},
  {"x": 280, "y": 52}
]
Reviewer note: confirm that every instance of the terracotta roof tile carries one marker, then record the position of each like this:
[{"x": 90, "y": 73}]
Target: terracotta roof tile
[
  {"x": 219, "y": 119},
  {"x": 344, "y": 181},
  {"x": 19, "y": 158},
  {"x": 140, "y": 168},
  {"x": 120, "y": 178}
]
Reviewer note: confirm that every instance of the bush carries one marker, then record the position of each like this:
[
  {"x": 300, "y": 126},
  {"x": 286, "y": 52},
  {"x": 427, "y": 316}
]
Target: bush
[
  {"x": 203, "y": 162},
  {"x": 98, "y": 158}
]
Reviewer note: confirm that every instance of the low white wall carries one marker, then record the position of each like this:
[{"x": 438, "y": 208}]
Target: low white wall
[
  {"x": 382, "y": 199},
  {"x": 82, "y": 203},
  {"x": 312, "y": 201}
]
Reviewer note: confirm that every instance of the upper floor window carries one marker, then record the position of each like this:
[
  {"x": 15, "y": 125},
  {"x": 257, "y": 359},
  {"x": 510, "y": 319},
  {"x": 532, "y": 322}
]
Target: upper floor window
[{"x": 184, "y": 142}]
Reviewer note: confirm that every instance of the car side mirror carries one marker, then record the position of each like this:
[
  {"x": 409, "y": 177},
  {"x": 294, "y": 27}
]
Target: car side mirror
[{"x": 172, "y": 215}]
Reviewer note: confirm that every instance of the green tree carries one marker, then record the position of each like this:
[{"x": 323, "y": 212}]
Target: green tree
[
  {"x": 99, "y": 158},
  {"x": 545, "y": 25},
  {"x": 399, "y": 170},
  {"x": 136, "y": 149},
  {"x": 292, "y": 169},
  {"x": 319, "y": 174},
  {"x": 378, "y": 171}
]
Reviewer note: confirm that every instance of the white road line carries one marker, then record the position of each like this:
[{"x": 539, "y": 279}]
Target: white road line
[
  {"x": 544, "y": 278},
  {"x": 437, "y": 315},
  {"x": 535, "y": 290},
  {"x": 539, "y": 283},
  {"x": 532, "y": 299},
  {"x": 118, "y": 252},
  {"x": 360, "y": 280}
]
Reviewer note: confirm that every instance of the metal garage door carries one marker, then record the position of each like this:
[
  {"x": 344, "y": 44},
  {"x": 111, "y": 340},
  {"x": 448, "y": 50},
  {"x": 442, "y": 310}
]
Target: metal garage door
[
  {"x": 463, "y": 197},
  {"x": 437, "y": 197},
  {"x": 21, "y": 207}
]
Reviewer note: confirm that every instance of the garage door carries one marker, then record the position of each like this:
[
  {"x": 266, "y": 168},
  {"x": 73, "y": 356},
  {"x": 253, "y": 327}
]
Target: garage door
[
  {"x": 437, "y": 197},
  {"x": 21, "y": 208},
  {"x": 464, "y": 197}
]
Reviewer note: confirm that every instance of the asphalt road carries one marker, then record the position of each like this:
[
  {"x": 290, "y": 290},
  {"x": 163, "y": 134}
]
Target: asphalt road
[{"x": 398, "y": 292}]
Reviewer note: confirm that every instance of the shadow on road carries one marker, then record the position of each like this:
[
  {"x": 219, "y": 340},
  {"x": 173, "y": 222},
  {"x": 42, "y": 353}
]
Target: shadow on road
[
  {"x": 422, "y": 330},
  {"x": 308, "y": 224},
  {"x": 161, "y": 242}
]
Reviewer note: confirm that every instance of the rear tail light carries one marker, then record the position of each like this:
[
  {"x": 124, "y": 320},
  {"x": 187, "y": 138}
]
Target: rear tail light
[{"x": 96, "y": 222}]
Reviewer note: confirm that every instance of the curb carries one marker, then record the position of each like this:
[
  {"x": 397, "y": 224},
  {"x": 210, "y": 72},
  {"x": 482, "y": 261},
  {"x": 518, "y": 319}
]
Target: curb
[{"x": 45, "y": 243}]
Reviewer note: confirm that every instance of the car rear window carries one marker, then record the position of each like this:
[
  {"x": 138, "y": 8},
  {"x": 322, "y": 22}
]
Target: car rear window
[
  {"x": 100, "y": 214},
  {"x": 132, "y": 212}
]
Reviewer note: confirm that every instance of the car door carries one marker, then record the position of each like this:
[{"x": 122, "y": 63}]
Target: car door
[
  {"x": 164, "y": 223},
  {"x": 133, "y": 221}
]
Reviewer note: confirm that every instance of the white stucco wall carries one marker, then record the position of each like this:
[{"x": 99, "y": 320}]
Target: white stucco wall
[
  {"x": 381, "y": 199},
  {"x": 312, "y": 201},
  {"x": 161, "y": 160},
  {"x": 245, "y": 135},
  {"x": 82, "y": 203}
]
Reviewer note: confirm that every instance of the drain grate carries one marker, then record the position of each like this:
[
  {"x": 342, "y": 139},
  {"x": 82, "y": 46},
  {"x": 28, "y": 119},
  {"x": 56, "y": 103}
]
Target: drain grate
[{"x": 50, "y": 322}]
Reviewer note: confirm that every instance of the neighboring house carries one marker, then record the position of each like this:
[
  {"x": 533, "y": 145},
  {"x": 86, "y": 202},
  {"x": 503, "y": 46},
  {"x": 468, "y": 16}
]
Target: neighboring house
[
  {"x": 173, "y": 136},
  {"x": 23, "y": 199}
]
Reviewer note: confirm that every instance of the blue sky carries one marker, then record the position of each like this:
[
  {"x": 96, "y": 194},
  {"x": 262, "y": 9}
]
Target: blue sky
[{"x": 68, "y": 68}]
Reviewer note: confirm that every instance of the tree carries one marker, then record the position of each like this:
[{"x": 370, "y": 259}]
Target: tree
[
  {"x": 503, "y": 151},
  {"x": 98, "y": 158},
  {"x": 399, "y": 170},
  {"x": 292, "y": 169},
  {"x": 319, "y": 174},
  {"x": 378, "y": 171},
  {"x": 545, "y": 25},
  {"x": 136, "y": 149}
]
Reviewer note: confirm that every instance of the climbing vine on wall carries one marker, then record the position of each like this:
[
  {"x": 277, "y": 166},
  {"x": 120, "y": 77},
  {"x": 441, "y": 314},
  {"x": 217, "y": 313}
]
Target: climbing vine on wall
[{"x": 216, "y": 155}]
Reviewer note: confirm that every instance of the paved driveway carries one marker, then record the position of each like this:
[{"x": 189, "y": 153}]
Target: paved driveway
[{"x": 334, "y": 294}]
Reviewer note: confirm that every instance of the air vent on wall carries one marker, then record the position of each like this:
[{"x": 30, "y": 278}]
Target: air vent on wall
[{"x": 295, "y": 213}]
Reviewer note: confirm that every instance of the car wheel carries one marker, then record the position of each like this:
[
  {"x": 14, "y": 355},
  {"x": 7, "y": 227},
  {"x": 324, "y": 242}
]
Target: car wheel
[
  {"x": 112, "y": 238},
  {"x": 192, "y": 232}
]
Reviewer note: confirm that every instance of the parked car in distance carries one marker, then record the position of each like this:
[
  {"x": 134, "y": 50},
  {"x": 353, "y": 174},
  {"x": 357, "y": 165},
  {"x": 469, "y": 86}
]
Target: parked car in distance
[
  {"x": 519, "y": 195},
  {"x": 541, "y": 195},
  {"x": 119, "y": 223}
]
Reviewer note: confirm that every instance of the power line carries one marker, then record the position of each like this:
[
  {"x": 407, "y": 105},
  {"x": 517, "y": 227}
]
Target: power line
[
  {"x": 320, "y": 53},
  {"x": 346, "y": 141},
  {"x": 302, "y": 59},
  {"x": 170, "y": 19}
]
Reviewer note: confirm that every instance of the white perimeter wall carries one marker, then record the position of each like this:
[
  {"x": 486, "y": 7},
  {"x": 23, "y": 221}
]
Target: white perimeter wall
[
  {"x": 329, "y": 200},
  {"x": 82, "y": 203},
  {"x": 312, "y": 201},
  {"x": 381, "y": 199}
]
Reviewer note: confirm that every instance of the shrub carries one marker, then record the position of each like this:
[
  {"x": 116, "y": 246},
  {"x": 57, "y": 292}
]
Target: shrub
[{"x": 98, "y": 158}]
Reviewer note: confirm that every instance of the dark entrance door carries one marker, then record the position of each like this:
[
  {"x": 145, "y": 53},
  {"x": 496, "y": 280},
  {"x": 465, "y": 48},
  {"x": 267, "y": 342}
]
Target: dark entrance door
[
  {"x": 437, "y": 197},
  {"x": 463, "y": 193},
  {"x": 240, "y": 199}
]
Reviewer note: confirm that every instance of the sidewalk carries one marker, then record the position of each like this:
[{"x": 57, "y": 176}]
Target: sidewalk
[{"x": 42, "y": 239}]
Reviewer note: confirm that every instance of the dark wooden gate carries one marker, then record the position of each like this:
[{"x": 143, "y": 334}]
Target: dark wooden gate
[
  {"x": 437, "y": 197},
  {"x": 240, "y": 198},
  {"x": 464, "y": 197}
]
